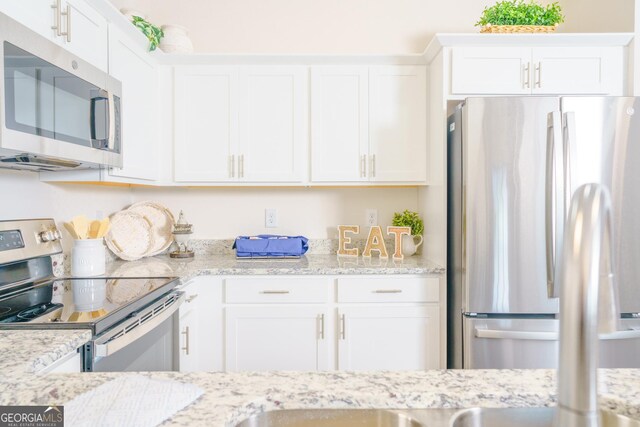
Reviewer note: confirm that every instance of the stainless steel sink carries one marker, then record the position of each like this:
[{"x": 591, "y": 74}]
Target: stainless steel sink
[
  {"x": 474, "y": 417},
  {"x": 350, "y": 418},
  {"x": 526, "y": 417}
]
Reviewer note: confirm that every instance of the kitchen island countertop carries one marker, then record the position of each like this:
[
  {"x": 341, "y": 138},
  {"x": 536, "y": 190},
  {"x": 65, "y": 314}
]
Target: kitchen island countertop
[{"x": 231, "y": 397}]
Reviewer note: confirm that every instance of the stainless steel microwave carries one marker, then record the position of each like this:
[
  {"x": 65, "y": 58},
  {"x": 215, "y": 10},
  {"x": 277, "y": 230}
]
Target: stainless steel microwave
[{"x": 57, "y": 112}]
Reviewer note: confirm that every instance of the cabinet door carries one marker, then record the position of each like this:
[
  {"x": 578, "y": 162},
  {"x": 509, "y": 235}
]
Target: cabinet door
[
  {"x": 389, "y": 338},
  {"x": 578, "y": 70},
  {"x": 491, "y": 71},
  {"x": 38, "y": 15},
  {"x": 276, "y": 337},
  {"x": 200, "y": 326},
  {"x": 398, "y": 124},
  {"x": 339, "y": 123},
  {"x": 273, "y": 123},
  {"x": 129, "y": 64},
  {"x": 206, "y": 123},
  {"x": 87, "y": 33}
]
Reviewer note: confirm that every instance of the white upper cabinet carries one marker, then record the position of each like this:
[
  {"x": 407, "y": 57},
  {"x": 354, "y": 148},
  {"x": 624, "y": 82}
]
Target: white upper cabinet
[
  {"x": 131, "y": 65},
  {"x": 273, "y": 123},
  {"x": 86, "y": 32},
  {"x": 490, "y": 70},
  {"x": 339, "y": 123},
  {"x": 72, "y": 24},
  {"x": 494, "y": 70},
  {"x": 398, "y": 124},
  {"x": 206, "y": 123},
  {"x": 369, "y": 124},
  {"x": 578, "y": 70},
  {"x": 240, "y": 124}
]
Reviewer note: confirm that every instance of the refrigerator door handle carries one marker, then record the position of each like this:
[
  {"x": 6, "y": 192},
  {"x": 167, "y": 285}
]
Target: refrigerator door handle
[
  {"x": 555, "y": 203},
  {"x": 549, "y": 336},
  {"x": 516, "y": 335},
  {"x": 569, "y": 136}
]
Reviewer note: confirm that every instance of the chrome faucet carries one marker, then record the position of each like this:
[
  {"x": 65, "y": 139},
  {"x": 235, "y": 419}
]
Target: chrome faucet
[{"x": 589, "y": 304}]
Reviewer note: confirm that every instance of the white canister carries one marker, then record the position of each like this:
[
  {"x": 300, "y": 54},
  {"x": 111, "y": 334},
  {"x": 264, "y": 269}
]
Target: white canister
[
  {"x": 88, "y": 258},
  {"x": 176, "y": 40}
]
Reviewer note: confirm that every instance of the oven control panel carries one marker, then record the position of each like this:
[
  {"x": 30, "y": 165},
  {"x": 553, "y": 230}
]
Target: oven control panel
[{"x": 25, "y": 239}]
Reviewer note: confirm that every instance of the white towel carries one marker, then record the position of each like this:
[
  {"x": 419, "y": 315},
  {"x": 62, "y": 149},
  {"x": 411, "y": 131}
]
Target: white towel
[{"x": 132, "y": 400}]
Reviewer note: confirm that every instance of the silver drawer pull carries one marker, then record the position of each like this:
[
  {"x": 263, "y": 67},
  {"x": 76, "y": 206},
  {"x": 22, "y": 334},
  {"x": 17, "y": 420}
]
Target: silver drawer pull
[
  {"x": 186, "y": 340},
  {"x": 191, "y": 297},
  {"x": 387, "y": 291},
  {"x": 274, "y": 292}
]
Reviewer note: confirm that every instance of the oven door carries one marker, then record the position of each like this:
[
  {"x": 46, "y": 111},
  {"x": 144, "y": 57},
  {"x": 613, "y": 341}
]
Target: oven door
[
  {"x": 143, "y": 342},
  {"x": 53, "y": 104}
]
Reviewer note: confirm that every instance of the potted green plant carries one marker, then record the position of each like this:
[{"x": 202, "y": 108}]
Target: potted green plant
[
  {"x": 518, "y": 16},
  {"x": 153, "y": 32},
  {"x": 412, "y": 220}
]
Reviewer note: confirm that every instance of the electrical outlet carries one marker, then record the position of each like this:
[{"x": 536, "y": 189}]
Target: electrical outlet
[
  {"x": 371, "y": 217},
  {"x": 271, "y": 218}
]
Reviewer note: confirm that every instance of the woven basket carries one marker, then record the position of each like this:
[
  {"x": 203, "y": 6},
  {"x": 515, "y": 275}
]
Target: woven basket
[{"x": 504, "y": 29}]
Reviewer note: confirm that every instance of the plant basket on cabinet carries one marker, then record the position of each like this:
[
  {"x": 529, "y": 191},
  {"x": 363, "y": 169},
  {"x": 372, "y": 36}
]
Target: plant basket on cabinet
[{"x": 518, "y": 29}]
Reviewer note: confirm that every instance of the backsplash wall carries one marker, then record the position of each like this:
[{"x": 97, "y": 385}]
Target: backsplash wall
[{"x": 217, "y": 213}]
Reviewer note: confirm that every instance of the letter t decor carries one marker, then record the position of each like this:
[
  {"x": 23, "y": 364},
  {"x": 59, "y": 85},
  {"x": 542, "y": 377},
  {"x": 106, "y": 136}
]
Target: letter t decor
[{"x": 398, "y": 232}]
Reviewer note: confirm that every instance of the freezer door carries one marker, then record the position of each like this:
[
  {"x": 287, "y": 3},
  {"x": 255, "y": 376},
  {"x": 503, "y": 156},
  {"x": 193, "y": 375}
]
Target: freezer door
[
  {"x": 504, "y": 171},
  {"x": 533, "y": 344},
  {"x": 603, "y": 137}
]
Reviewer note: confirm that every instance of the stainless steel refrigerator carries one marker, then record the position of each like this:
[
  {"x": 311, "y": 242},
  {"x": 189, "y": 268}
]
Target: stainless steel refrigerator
[{"x": 513, "y": 163}]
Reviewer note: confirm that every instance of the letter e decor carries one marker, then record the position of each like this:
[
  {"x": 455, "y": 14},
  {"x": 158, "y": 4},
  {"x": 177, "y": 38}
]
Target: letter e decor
[{"x": 343, "y": 240}]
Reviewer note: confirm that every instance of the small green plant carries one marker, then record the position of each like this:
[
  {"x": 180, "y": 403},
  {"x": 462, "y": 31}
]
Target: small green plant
[
  {"x": 153, "y": 32},
  {"x": 519, "y": 12},
  {"x": 409, "y": 219}
]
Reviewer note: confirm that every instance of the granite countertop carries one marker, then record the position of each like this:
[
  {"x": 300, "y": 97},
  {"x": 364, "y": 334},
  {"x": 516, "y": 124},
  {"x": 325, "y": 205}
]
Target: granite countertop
[
  {"x": 29, "y": 351},
  {"x": 312, "y": 264},
  {"x": 231, "y": 397}
]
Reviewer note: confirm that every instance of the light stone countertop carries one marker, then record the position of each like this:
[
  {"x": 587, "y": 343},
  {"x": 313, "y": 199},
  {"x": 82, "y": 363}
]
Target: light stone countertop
[
  {"x": 29, "y": 351},
  {"x": 231, "y": 397},
  {"x": 226, "y": 264}
]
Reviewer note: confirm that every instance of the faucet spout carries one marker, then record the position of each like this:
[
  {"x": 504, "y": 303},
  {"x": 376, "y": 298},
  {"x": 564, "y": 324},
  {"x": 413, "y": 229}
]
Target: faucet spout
[{"x": 588, "y": 304}]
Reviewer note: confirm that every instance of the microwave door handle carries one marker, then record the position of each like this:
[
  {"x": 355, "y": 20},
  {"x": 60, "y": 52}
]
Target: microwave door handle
[
  {"x": 554, "y": 199},
  {"x": 112, "y": 121},
  {"x": 127, "y": 333}
]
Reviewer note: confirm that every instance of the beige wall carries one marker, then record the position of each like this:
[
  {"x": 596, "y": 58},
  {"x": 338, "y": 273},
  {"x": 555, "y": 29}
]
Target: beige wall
[
  {"x": 217, "y": 213},
  {"x": 599, "y": 15},
  {"x": 313, "y": 26}
]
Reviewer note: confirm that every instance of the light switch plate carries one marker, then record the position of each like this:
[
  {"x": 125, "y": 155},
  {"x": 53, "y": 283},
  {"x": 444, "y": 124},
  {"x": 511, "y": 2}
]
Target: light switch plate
[{"x": 371, "y": 217}]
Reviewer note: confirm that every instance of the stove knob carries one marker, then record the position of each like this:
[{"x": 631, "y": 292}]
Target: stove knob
[
  {"x": 47, "y": 236},
  {"x": 56, "y": 234}
]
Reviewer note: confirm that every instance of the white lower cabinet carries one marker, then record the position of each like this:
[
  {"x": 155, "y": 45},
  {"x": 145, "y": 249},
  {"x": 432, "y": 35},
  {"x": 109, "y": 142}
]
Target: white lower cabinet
[
  {"x": 389, "y": 337},
  {"x": 264, "y": 338},
  {"x": 200, "y": 326},
  {"x": 70, "y": 363}
]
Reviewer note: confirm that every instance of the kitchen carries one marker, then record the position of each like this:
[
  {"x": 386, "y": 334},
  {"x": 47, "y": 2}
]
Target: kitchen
[{"x": 225, "y": 193}]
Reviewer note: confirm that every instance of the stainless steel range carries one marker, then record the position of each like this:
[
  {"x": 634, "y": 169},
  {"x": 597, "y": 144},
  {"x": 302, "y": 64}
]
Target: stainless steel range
[{"x": 132, "y": 320}]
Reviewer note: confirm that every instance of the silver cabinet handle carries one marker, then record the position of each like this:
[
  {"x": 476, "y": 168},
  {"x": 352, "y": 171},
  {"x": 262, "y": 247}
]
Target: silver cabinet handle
[
  {"x": 526, "y": 76},
  {"x": 554, "y": 199},
  {"x": 186, "y": 340},
  {"x": 56, "y": 26},
  {"x": 241, "y": 166},
  {"x": 321, "y": 326},
  {"x": 363, "y": 166},
  {"x": 372, "y": 166},
  {"x": 343, "y": 332},
  {"x": 538, "y": 69},
  {"x": 191, "y": 297},
  {"x": 232, "y": 166},
  {"x": 274, "y": 292},
  {"x": 387, "y": 291},
  {"x": 67, "y": 13}
]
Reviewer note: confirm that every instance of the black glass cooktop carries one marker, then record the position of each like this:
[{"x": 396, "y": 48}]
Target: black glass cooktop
[{"x": 80, "y": 303}]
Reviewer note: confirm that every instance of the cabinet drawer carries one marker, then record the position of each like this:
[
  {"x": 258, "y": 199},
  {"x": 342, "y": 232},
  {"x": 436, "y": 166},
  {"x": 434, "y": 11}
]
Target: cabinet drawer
[
  {"x": 276, "y": 290},
  {"x": 389, "y": 289}
]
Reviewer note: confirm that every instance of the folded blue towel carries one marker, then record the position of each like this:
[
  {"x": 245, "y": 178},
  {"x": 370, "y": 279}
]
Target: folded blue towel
[{"x": 267, "y": 245}]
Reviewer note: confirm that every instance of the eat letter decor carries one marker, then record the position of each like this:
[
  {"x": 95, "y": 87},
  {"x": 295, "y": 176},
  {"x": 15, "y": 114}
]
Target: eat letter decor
[{"x": 375, "y": 241}]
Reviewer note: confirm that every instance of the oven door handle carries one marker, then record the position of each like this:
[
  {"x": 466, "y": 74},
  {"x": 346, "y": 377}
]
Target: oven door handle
[{"x": 136, "y": 327}]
